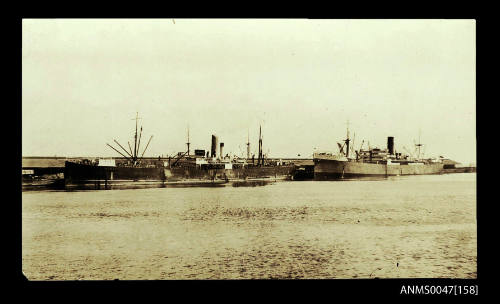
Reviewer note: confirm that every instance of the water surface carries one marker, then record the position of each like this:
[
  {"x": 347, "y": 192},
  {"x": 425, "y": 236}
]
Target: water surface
[{"x": 401, "y": 227}]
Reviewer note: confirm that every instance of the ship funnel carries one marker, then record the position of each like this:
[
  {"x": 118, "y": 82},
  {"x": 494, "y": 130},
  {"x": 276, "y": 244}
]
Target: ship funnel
[
  {"x": 390, "y": 145},
  {"x": 215, "y": 140},
  {"x": 221, "y": 154}
]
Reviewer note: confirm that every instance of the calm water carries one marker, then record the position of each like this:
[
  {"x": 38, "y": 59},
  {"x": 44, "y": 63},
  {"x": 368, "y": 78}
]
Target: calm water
[{"x": 404, "y": 227}]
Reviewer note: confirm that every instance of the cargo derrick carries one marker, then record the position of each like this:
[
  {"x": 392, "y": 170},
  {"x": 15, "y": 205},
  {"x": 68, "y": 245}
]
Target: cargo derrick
[{"x": 133, "y": 155}]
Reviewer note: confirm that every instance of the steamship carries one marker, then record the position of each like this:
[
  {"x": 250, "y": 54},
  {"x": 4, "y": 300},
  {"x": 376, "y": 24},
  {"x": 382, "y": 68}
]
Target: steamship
[
  {"x": 183, "y": 169},
  {"x": 131, "y": 167},
  {"x": 214, "y": 164},
  {"x": 373, "y": 162}
]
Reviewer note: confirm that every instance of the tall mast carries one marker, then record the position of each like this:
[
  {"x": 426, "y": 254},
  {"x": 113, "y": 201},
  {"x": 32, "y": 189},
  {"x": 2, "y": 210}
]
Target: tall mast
[
  {"x": 347, "y": 140},
  {"x": 419, "y": 144},
  {"x": 248, "y": 144},
  {"x": 260, "y": 160},
  {"x": 135, "y": 136},
  {"x": 133, "y": 155},
  {"x": 347, "y": 129},
  {"x": 188, "y": 143}
]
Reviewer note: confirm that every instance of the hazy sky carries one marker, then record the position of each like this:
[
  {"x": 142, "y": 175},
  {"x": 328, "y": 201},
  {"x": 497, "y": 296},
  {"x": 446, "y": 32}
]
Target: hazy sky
[{"x": 85, "y": 79}]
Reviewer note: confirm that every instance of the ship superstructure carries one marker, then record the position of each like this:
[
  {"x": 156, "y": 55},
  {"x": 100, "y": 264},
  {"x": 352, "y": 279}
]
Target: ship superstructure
[{"x": 215, "y": 164}]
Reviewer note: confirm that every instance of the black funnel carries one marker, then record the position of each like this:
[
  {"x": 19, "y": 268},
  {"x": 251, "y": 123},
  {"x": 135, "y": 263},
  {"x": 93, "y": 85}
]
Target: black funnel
[{"x": 390, "y": 145}]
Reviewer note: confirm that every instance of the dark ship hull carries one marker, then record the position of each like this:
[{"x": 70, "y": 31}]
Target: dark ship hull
[
  {"x": 219, "y": 172},
  {"x": 88, "y": 176},
  {"x": 336, "y": 169},
  {"x": 74, "y": 172}
]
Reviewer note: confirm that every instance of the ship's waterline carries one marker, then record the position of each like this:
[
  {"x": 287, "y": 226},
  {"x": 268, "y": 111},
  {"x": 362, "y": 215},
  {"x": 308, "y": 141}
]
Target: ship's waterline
[
  {"x": 414, "y": 226},
  {"x": 374, "y": 162},
  {"x": 334, "y": 169}
]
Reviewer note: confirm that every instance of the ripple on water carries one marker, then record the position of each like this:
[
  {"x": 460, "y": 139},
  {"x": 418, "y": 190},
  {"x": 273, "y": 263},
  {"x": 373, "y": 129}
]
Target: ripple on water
[{"x": 389, "y": 229}]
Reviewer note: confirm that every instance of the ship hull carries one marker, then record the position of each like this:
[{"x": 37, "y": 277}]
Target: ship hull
[
  {"x": 84, "y": 176},
  {"x": 234, "y": 173},
  {"x": 325, "y": 169},
  {"x": 75, "y": 173}
]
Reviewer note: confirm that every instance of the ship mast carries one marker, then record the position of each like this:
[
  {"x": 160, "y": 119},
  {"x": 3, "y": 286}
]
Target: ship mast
[
  {"x": 347, "y": 140},
  {"x": 260, "y": 160},
  {"x": 133, "y": 155},
  {"x": 134, "y": 158},
  {"x": 188, "y": 143},
  {"x": 419, "y": 144},
  {"x": 248, "y": 145}
]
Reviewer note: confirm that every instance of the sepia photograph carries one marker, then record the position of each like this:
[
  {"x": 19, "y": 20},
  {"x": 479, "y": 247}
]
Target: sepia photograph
[{"x": 237, "y": 149}]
